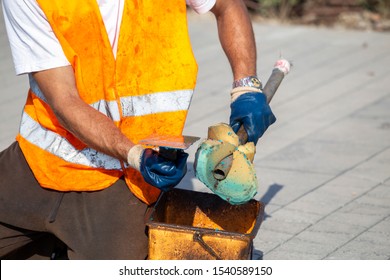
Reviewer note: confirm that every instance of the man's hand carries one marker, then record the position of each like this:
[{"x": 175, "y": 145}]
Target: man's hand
[
  {"x": 253, "y": 112},
  {"x": 157, "y": 170}
]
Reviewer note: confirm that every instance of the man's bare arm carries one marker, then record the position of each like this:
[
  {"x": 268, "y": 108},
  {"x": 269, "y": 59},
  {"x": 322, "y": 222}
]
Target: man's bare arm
[
  {"x": 236, "y": 36},
  {"x": 89, "y": 125}
]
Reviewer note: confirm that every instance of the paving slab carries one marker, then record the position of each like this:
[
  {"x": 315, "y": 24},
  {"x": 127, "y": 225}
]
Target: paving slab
[{"x": 371, "y": 244}]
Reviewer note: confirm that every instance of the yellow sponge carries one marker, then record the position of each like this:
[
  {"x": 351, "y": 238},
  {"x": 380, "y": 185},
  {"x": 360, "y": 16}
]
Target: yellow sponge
[{"x": 240, "y": 184}]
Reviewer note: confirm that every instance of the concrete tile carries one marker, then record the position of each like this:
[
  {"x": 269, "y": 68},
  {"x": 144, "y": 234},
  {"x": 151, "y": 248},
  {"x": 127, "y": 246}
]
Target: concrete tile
[
  {"x": 332, "y": 195},
  {"x": 269, "y": 209},
  {"x": 286, "y": 253},
  {"x": 361, "y": 131},
  {"x": 353, "y": 253},
  {"x": 281, "y": 187},
  {"x": 339, "y": 229},
  {"x": 377, "y": 111},
  {"x": 297, "y": 249},
  {"x": 325, "y": 157},
  {"x": 329, "y": 235},
  {"x": 382, "y": 227},
  {"x": 366, "y": 247},
  {"x": 375, "y": 169},
  {"x": 267, "y": 239},
  {"x": 378, "y": 198},
  {"x": 369, "y": 244},
  {"x": 358, "y": 218},
  {"x": 365, "y": 213},
  {"x": 290, "y": 221}
]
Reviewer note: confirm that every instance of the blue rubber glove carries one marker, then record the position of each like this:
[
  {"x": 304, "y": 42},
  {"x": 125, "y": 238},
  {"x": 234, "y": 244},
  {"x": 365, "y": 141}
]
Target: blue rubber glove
[
  {"x": 253, "y": 112},
  {"x": 161, "y": 172}
]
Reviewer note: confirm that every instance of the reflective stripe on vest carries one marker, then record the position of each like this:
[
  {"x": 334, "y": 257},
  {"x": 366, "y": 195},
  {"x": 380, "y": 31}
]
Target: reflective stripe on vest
[
  {"x": 135, "y": 106},
  {"x": 53, "y": 143},
  {"x": 160, "y": 102}
]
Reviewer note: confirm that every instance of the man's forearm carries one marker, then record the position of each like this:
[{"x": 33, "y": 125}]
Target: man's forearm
[
  {"x": 236, "y": 36},
  {"x": 90, "y": 126}
]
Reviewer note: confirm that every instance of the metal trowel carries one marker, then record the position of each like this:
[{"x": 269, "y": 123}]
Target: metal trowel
[{"x": 168, "y": 145}]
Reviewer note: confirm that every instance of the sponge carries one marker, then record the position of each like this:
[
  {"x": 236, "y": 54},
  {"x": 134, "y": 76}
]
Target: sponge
[{"x": 240, "y": 184}]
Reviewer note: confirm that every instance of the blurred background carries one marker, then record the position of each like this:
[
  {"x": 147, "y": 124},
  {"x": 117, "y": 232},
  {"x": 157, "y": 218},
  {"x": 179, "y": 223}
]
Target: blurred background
[{"x": 356, "y": 14}]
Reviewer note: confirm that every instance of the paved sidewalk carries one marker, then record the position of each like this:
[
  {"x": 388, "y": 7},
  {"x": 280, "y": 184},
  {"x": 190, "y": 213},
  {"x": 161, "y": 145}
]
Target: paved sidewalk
[{"x": 324, "y": 166}]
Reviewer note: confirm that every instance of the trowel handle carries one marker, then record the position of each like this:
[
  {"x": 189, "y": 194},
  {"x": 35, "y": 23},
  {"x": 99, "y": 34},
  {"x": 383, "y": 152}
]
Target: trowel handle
[
  {"x": 273, "y": 83},
  {"x": 242, "y": 135},
  {"x": 269, "y": 90}
]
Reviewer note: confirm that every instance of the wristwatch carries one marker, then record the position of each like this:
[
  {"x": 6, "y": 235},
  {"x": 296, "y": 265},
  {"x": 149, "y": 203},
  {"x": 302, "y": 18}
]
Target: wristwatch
[{"x": 251, "y": 81}]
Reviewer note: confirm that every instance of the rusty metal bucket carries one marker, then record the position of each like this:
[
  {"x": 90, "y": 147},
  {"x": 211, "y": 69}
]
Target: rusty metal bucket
[{"x": 188, "y": 225}]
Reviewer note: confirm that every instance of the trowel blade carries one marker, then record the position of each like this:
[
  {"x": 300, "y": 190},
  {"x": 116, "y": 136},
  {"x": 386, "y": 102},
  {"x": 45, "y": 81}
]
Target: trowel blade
[{"x": 181, "y": 142}]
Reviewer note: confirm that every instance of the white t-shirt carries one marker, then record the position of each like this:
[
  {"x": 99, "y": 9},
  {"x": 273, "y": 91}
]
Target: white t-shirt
[{"x": 33, "y": 43}]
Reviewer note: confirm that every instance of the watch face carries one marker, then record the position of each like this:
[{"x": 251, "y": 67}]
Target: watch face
[{"x": 255, "y": 81}]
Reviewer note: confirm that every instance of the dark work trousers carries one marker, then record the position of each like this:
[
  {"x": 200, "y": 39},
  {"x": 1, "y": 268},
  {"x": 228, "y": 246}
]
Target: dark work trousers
[{"x": 106, "y": 224}]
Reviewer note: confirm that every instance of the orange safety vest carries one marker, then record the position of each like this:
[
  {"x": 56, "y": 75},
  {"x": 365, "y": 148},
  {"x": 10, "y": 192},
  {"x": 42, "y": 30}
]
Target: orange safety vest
[{"x": 146, "y": 90}]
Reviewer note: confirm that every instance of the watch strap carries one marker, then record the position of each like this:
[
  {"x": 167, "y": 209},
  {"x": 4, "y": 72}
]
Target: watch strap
[{"x": 250, "y": 81}]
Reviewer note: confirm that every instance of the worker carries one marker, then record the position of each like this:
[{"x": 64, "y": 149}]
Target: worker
[{"x": 103, "y": 75}]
